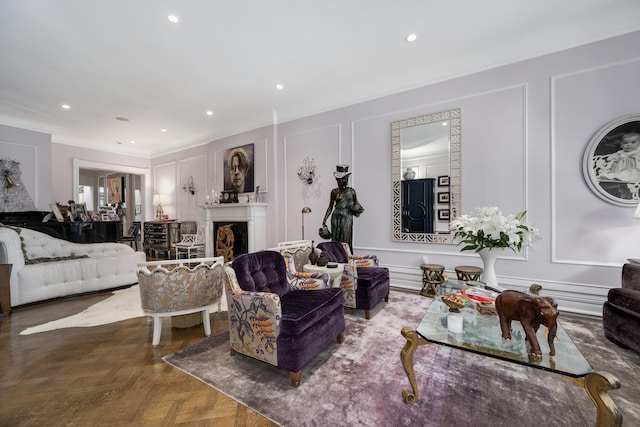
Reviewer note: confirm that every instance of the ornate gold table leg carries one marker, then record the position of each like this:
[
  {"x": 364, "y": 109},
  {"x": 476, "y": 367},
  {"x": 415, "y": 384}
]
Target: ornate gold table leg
[
  {"x": 406, "y": 357},
  {"x": 597, "y": 385}
]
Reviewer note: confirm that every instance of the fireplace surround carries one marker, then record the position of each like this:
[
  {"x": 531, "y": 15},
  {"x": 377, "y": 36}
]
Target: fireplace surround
[{"x": 254, "y": 214}]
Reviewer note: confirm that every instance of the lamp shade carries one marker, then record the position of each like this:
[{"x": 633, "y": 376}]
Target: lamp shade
[{"x": 159, "y": 199}]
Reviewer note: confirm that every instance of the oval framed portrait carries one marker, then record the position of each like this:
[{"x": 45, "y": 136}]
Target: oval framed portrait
[{"x": 611, "y": 162}]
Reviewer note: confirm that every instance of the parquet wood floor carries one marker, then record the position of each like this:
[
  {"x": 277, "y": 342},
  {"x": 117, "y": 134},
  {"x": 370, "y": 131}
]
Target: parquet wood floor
[{"x": 106, "y": 375}]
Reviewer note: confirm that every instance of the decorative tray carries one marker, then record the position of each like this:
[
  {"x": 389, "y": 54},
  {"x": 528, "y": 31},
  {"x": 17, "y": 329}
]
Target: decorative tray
[{"x": 455, "y": 302}]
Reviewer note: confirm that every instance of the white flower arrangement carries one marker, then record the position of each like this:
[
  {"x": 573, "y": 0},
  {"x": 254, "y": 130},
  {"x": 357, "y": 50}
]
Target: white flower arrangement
[{"x": 488, "y": 228}]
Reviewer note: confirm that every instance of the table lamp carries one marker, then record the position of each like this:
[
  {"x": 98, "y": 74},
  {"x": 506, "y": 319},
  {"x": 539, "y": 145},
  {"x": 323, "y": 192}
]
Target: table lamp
[{"x": 158, "y": 201}]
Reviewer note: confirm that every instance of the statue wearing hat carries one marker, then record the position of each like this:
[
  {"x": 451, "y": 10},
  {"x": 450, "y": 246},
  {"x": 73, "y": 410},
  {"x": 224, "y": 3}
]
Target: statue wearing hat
[{"x": 344, "y": 205}]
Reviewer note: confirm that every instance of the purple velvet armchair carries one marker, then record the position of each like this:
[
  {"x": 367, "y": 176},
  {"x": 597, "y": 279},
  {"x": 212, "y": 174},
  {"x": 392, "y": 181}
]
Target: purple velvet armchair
[
  {"x": 364, "y": 283},
  {"x": 278, "y": 321},
  {"x": 621, "y": 311}
]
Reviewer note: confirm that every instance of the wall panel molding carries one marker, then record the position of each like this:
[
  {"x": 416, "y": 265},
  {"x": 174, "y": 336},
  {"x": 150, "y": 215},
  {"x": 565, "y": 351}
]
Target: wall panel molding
[
  {"x": 571, "y": 297},
  {"x": 188, "y": 204},
  {"x": 27, "y": 156},
  {"x": 165, "y": 181},
  {"x": 323, "y": 144},
  {"x": 572, "y": 125}
]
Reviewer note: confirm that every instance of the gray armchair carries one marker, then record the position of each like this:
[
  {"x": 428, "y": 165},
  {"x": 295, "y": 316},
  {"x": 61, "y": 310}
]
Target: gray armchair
[{"x": 181, "y": 290}]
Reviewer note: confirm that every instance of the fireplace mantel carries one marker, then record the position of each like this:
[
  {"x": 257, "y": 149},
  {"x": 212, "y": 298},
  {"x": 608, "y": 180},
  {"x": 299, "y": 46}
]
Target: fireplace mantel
[{"x": 254, "y": 214}]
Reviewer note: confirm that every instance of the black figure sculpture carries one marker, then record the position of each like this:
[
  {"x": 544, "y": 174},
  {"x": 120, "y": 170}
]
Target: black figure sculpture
[{"x": 344, "y": 205}]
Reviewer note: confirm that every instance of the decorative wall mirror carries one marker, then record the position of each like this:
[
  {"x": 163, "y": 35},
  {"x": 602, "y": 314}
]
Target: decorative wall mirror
[
  {"x": 425, "y": 174},
  {"x": 611, "y": 162}
]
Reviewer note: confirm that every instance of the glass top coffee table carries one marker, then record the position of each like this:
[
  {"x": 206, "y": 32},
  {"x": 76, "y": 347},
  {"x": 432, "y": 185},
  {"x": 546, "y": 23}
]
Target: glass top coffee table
[{"x": 481, "y": 334}]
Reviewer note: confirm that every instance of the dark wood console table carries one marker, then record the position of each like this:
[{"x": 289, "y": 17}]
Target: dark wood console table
[{"x": 77, "y": 232}]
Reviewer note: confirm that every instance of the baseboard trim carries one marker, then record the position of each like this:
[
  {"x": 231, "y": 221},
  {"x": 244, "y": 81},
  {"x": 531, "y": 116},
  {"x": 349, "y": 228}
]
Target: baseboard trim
[{"x": 574, "y": 297}]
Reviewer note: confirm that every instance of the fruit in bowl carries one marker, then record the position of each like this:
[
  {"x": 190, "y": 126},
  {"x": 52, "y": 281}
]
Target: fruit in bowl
[{"x": 455, "y": 302}]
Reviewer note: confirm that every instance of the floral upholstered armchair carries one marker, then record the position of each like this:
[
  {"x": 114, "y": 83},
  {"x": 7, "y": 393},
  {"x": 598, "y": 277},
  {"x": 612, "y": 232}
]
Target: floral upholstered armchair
[
  {"x": 274, "y": 322},
  {"x": 357, "y": 260},
  {"x": 181, "y": 290},
  {"x": 296, "y": 255},
  {"x": 363, "y": 282}
]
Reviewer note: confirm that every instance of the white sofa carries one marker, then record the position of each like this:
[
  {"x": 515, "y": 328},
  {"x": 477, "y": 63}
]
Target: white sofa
[{"x": 45, "y": 267}]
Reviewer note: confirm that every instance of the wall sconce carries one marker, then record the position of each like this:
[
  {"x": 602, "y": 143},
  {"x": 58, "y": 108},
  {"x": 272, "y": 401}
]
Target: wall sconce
[
  {"x": 10, "y": 182},
  {"x": 188, "y": 187},
  {"x": 307, "y": 171},
  {"x": 158, "y": 201},
  {"x": 304, "y": 211}
]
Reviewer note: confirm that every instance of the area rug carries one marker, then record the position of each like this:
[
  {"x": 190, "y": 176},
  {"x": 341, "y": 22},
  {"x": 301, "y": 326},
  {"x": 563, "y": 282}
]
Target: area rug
[
  {"x": 360, "y": 382},
  {"x": 123, "y": 304}
]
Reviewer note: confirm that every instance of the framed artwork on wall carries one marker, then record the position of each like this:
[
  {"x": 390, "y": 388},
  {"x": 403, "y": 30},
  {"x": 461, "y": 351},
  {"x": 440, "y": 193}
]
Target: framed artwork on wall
[
  {"x": 443, "y": 181},
  {"x": 443, "y": 197},
  {"x": 611, "y": 162},
  {"x": 115, "y": 190},
  {"x": 444, "y": 214},
  {"x": 239, "y": 169}
]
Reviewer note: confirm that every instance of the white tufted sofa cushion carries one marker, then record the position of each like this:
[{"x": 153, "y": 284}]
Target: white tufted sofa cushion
[
  {"x": 40, "y": 245},
  {"x": 102, "y": 266}
]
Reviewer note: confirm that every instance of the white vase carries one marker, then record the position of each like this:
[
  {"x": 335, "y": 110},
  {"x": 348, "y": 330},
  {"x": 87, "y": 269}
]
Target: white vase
[{"x": 489, "y": 257}]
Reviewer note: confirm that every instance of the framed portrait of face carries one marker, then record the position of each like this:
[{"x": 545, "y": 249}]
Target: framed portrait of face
[
  {"x": 238, "y": 169},
  {"x": 611, "y": 162}
]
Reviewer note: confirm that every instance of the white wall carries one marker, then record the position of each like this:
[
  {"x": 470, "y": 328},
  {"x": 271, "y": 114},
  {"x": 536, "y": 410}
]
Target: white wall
[
  {"x": 33, "y": 151},
  {"x": 524, "y": 130}
]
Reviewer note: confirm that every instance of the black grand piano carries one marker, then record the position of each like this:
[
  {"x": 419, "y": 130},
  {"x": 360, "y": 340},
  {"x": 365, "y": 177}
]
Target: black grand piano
[{"x": 78, "y": 232}]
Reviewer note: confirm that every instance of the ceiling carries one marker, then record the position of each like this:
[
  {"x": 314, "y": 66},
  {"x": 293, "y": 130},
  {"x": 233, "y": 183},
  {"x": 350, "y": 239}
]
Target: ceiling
[{"x": 123, "y": 58}]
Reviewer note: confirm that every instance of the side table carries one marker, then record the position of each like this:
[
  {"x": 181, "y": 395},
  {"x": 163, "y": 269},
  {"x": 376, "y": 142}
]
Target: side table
[
  {"x": 5, "y": 289},
  {"x": 468, "y": 273},
  {"x": 432, "y": 276},
  {"x": 335, "y": 274}
]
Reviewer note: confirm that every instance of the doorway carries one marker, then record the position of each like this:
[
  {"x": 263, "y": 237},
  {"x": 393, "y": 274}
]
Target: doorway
[{"x": 90, "y": 182}]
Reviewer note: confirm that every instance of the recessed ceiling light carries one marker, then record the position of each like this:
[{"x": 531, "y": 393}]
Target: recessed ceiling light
[
  {"x": 163, "y": 130},
  {"x": 118, "y": 142},
  {"x": 411, "y": 38},
  {"x": 445, "y": 123},
  {"x": 66, "y": 106},
  {"x": 279, "y": 86},
  {"x": 209, "y": 113},
  {"x": 122, "y": 119},
  {"x": 173, "y": 18}
]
